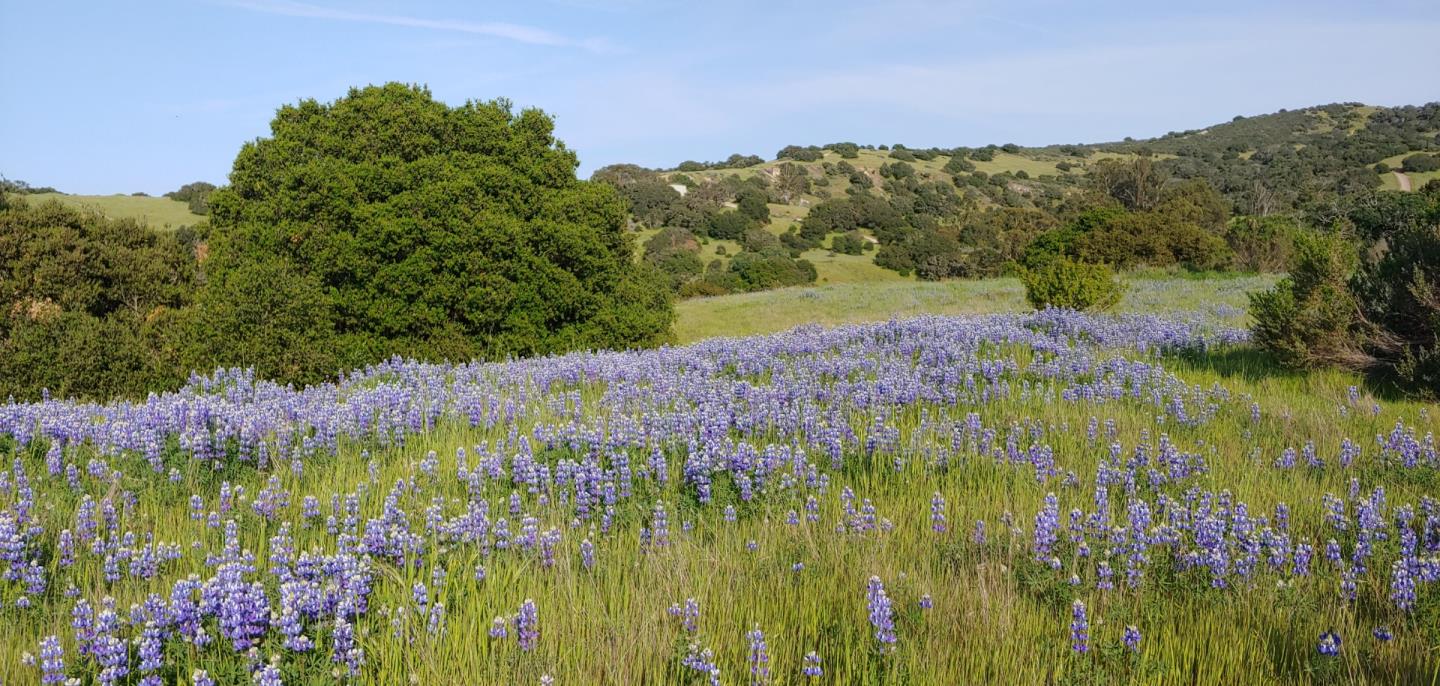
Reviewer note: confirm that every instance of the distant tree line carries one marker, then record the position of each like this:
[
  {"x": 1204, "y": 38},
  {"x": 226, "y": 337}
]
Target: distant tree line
[{"x": 19, "y": 187}]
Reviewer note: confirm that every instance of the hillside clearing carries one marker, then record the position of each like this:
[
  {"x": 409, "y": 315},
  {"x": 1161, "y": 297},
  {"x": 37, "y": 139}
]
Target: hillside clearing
[
  {"x": 743, "y": 314},
  {"x": 158, "y": 213}
]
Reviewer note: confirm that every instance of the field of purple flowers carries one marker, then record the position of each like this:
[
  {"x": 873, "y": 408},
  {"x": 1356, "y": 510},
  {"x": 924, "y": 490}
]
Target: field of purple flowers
[{"x": 1047, "y": 497}]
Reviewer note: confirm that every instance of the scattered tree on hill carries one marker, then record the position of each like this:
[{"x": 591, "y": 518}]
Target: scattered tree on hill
[
  {"x": 958, "y": 165},
  {"x": 754, "y": 203},
  {"x": 196, "y": 195},
  {"x": 791, "y": 182},
  {"x": 1135, "y": 183},
  {"x": 851, "y": 243},
  {"x": 1420, "y": 163},
  {"x": 799, "y": 153},
  {"x": 729, "y": 225}
]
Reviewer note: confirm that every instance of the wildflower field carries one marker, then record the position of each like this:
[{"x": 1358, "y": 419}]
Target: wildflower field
[{"x": 1016, "y": 498}]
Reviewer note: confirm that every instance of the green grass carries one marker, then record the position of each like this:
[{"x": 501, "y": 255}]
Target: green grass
[
  {"x": 847, "y": 303},
  {"x": 1390, "y": 182},
  {"x": 158, "y": 213}
]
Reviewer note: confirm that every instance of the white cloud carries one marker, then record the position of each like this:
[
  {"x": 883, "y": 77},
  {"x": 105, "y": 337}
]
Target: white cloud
[{"x": 515, "y": 32}]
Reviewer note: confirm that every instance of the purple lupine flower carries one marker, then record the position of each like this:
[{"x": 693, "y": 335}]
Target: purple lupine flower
[
  {"x": 1402, "y": 586},
  {"x": 978, "y": 535},
  {"x": 527, "y": 625},
  {"x": 1079, "y": 628},
  {"x": 688, "y": 614},
  {"x": 587, "y": 554},
  {"x": 881, "y": 614},
  {"x": 201, "y": 677},
  {"x": 702, "y": 661},
  {"x": 498, "y": 628},
  {"x": 1047, "y": 525},
  {"x": 659, "y": 526},
  {"x": 812, "y": 665},
  {"x": 926, "y": 602},
  {"x": 759, "y": 658},
  {"x": 1301, "y": 562},
  {"x": 1329, "y": 643},
  {"x": 52, "y": 661},
  {"x": 937, "y": 513},
  {"x": 1104, "y": 575},
  {"x": 268, "y": 675},
  {"x": 1132, "y": 638}
]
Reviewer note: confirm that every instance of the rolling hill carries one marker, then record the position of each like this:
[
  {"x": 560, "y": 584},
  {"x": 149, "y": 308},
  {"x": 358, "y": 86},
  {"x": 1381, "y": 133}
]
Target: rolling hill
[{"x": 158, "y": 213}]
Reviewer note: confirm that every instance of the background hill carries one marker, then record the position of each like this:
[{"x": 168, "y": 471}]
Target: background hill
[
  {"x": 159, "y": 213},
  {"x": 971, "y": 211}
]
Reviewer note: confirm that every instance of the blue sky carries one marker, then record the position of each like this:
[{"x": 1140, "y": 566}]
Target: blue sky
[{"x": 104, "y": 97}]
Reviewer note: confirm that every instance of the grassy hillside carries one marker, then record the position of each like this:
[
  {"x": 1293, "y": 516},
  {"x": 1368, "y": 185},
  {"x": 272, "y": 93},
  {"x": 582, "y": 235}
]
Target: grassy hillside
[
  {"x": 744, "y": 314},
  {"x": 893, "y": 502},
  {"x": 160, "y": 213}
]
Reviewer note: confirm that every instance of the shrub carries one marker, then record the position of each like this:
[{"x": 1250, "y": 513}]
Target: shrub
[
  {"x": 1421, "y": 163},
  {"x": 196, "y": 195},
  {"x": 852, "y": 243},
  {"x": 796, "y": 242},
  {"x": 799, "y": 153},
  {"x": 958, "y": 165},
  {"x": 729, "y": 225},
  {"x": 1308, "y": 319},
  {"x": 1399, "y": 296},
  {"x": 754, "y": 203},
  {"x": 1072, "y": 285}
]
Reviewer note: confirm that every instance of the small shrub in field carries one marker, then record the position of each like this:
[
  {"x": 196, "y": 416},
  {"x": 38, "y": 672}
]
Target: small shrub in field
[
  {"x": 1073, "y": 285},
  {"x": 1308, "y": 319}
]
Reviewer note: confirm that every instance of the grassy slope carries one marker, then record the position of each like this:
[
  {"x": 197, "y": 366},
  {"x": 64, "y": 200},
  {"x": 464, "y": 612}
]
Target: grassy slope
[
  {"x": 988, "y": 625},
  {"x": 844, "y": 303},
  {"x": 1416, "y": 180},
  {"x": 160, "y": 213}
]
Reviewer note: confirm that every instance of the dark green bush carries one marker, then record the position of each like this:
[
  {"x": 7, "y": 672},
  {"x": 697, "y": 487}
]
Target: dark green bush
[
  {"x": 1308, "y": 319},
  {"x": 852, "y": 243},
  {"x": 1421, "y": 163},
  {"x": 1072, "y": 285},
  {"x": 729, "y": 225},
  {"x": 1372, "y": 307}
]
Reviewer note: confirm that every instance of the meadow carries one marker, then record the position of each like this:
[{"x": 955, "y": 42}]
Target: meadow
[
  {"x": 1008, "y": 498},
  {"x": 885, "y": 295},
  {"x": 157, "y": 213}
]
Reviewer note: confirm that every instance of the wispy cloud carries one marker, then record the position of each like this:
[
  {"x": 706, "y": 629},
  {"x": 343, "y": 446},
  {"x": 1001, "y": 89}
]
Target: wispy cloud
[{"x": 519, "y": 33}]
